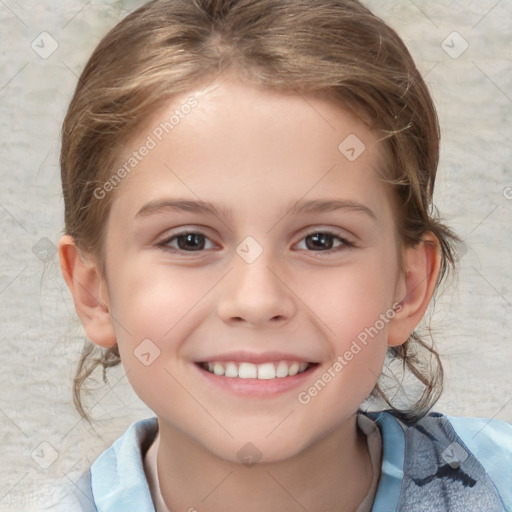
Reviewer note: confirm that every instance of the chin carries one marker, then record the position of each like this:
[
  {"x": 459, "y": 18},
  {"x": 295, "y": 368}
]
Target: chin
[{"x": 258, "y": 451}]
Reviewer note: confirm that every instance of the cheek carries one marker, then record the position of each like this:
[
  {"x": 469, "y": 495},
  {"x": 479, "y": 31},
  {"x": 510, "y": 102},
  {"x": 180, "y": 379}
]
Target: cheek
[
  {"x": 154, "y": 310},
  {"x": 354, "y": 305},
  {"x": 152, "y": 303},
  {"x": 349, "y": 298}
]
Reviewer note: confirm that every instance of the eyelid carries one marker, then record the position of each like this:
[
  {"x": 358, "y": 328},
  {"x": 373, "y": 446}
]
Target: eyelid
[{"x": 342, "y": 233}]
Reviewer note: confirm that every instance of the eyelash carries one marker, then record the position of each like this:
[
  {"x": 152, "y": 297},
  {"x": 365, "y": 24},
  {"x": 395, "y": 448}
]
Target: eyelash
[{"x": 344, "y": 243}]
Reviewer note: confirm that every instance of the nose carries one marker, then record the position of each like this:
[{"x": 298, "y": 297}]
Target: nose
[{"x": 256, "y": 295}]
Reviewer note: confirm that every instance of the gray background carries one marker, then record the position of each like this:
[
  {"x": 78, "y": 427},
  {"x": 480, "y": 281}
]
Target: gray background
[{"x": 41, "y": 337}]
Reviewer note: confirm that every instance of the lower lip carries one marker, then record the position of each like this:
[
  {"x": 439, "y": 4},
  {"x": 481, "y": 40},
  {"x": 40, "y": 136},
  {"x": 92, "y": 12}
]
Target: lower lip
[{"x": 257, "y": 387}]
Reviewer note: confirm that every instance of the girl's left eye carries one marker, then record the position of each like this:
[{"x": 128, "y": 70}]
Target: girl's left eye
[
  {"x": 325, "y": 241},
  {"x": 320, "y": 241}
]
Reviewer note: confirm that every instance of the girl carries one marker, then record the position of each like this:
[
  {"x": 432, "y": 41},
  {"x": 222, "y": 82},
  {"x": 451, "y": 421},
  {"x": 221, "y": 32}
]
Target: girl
[{"x": 250, "y": 231}]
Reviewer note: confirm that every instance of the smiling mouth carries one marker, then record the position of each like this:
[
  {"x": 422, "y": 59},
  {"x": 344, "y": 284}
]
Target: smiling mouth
[{"x": 264, "y": 371}]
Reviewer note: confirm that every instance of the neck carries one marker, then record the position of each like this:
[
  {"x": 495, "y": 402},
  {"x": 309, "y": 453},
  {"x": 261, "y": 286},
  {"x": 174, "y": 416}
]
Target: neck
[{"x": 334, "y": 473}]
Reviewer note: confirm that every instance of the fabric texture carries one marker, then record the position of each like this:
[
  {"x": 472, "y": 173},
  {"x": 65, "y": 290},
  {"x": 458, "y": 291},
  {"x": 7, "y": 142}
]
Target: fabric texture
[{"x": 440, "y": 464}]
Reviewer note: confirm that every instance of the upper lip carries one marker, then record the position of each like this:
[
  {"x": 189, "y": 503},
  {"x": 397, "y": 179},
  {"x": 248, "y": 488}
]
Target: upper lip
[{"x": 255, "y": 358}]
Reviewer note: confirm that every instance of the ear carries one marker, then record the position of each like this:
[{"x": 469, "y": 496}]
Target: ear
[
  {"x": 89, "y": 291},
  {"x": 415, "y": 288}
]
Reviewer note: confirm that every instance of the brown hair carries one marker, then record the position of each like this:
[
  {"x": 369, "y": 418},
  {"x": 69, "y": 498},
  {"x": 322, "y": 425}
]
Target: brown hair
[{"x": 333, "y": 47}]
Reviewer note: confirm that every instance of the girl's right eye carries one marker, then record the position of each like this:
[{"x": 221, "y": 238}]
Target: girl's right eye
[{"x": 188, "y": 241}]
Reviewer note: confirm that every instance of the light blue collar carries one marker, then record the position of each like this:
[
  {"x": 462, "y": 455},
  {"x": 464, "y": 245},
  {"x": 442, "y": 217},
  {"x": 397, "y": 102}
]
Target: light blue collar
[
  {"x": 392, "y": 472},
  {"x": 118, "y": 480}
]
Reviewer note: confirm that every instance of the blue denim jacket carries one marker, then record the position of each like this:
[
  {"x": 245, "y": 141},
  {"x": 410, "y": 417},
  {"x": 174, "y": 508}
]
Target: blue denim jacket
[{"x": 441, "y": 464}]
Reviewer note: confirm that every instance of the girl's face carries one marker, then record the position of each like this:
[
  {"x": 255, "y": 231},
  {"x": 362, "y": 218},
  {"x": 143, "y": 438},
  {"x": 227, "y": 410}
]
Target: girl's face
[{"x": 254, "y": 236}]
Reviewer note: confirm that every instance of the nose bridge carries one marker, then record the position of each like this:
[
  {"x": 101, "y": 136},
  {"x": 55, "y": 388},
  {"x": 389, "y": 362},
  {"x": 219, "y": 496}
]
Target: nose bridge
[{"x": 254, "y": 291}]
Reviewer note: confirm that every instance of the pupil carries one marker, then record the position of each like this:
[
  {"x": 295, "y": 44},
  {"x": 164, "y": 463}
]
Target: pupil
[
  {"x": 192, "y": 240},
  {"x": 320, "y": 240}
]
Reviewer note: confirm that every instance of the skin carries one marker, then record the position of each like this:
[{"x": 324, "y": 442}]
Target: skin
[{"x": 256, "y": 152}]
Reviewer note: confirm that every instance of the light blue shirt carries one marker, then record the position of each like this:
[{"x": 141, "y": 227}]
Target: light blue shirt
[{"x": 441, "y": 464}]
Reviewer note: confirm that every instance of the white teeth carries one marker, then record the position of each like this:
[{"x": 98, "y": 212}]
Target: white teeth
[
  {"x": 282, "y": 369},
  {"x": 218, "y": 369},
  {"x": 247, "y": 371},
  {"x": 294, "y": 369},
  {"x": 264, "y": 371},
  {"x": 231, "y": 370}
]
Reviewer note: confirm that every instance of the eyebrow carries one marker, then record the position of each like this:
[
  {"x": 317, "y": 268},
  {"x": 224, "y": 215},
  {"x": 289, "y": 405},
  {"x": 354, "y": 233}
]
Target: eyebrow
[
  {"x": 223, "y": 211},
  {"x": 331, "y": 205},
  {"x": 184, "y": 205}
]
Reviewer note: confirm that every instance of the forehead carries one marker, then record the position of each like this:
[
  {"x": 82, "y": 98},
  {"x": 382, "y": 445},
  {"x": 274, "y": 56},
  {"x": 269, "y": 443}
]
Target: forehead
[{"x": 250, "y": 145}]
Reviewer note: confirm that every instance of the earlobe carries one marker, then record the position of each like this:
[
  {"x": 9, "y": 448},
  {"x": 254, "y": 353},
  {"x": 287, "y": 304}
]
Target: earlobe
[
  {"x": 89, "y": 292},
  {"x": 416, "y": 288}
]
